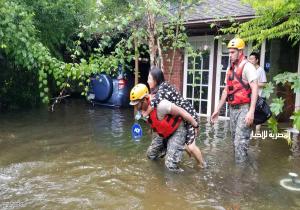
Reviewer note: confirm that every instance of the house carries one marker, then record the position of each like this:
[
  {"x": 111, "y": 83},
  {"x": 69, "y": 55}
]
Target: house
[{"x": 201, "y": 78}]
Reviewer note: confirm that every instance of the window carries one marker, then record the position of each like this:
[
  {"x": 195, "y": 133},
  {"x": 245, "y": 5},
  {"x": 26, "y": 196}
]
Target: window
[
  {"x": 222, "y": 68},
  {"x": 197, "y": 74}
]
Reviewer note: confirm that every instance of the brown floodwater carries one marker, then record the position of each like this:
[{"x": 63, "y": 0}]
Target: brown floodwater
[{"x": 83, "y": 157}]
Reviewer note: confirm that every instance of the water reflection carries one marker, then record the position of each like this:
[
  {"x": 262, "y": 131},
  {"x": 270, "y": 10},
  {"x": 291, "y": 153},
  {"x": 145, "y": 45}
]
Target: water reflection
[
  {"x": 83, "y": 157},
  {"x": 295, "y": 144},
  {"x": 117, "y": 121}
]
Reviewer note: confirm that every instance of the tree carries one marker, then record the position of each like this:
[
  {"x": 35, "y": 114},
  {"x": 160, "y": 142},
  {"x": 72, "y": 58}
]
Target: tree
[
  {"x": 33, "y": 33},
  {"x": 274, "y": 19},
  {"x": 156, "y": 25}
]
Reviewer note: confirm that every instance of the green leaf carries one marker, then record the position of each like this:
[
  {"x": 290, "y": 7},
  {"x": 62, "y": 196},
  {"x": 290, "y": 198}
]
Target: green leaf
[
  {"x": 296, "y": 85},
  {"x": 277, "y": 105},
  {"x": 45, "y": 82},
  {"x": 273, "y": 124},
  {"x": 296, "y": 119},
  {"x": 268, "y": 89}
]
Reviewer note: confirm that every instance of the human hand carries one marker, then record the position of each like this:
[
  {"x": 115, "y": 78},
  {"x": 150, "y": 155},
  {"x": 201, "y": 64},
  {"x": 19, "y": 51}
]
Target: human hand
[
  {"x": 138, "y": 115},
  {"x": 214, "y": 117},
  {"x": 249, "y": 118},
  {"x": 147, "y": 112},
  {"x": 197, "y": 132}
]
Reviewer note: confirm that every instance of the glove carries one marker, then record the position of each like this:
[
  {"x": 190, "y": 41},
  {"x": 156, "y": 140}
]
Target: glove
[{"x": 138, "y": 115}]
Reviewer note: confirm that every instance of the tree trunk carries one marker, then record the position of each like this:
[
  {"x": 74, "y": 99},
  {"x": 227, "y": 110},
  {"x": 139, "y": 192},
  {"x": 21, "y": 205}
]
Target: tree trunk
[
  {"x": 175, "y": 41},
  {"x": 152, "y": 39},
  {"x": 160, "y": 56}
]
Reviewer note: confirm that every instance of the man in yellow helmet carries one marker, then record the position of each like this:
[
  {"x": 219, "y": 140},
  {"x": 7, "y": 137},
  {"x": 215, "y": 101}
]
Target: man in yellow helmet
[
  {"x": 167, "y": 121},
  {"x": 241, "y": 93}
]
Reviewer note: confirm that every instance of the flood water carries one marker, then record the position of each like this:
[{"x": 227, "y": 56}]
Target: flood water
[{"x": 83, "y": 157}]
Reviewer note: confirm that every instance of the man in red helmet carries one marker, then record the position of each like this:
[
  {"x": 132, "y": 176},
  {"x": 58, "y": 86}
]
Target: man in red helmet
[{"x": 241, "y": 93}]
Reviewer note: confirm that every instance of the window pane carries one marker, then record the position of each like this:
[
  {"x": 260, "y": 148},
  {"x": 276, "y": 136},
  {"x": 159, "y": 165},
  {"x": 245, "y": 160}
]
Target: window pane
[
  {"x": 222, "y": 81},
  {"x": 197, "y": 92},
  {"x": 196, "y": 105},
  {"x": 205, "y": 77},
  {"x": 190, "y": 77},
  {"x": 204, "y": 107},
  {"x": 198, "y": 62},
  {"x": 205, "y": 57},
  {"x": 225, "y": 62},
  {"x": 190, "y": 62},
  {"x": 197, "y": 77},
  {"x": 189, "y": 91},
  {"x": 224, "y": 47},
  {"x": 204, "y": 93}
]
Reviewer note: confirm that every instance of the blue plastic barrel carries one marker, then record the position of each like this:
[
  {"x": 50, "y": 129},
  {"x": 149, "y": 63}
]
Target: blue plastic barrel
[{"x": 102, "y": 87}]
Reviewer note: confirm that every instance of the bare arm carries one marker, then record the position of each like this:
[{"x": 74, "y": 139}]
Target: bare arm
[
  {"x": 178, "y": 111},
  {"x": 254, "y": 90},
  {"x": 215, "y": 115},
  {"x": 222, "y": 100},
  {"x": 261, "y": 84},
  {"x": 250, "y": 115}
]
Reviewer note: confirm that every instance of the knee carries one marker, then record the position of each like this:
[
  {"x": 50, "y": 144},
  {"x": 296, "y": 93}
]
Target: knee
[
  {"x": 151, "y": 154},
  {"x": 192, "y": 148}
]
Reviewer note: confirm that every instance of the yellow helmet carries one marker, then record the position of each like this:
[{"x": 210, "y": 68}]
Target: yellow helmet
[
  {"x": 137, "y": 93},
  {"x": 236, "y": 43}
]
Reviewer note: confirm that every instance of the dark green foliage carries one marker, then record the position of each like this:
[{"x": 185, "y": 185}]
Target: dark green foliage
[
  {"x": 274, "y": 19},
  {"x": 18, "y": 88}
]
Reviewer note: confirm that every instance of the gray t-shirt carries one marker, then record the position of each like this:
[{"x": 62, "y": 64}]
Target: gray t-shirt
[
  {"x": 249, "y": 73},
  {"x": 163, "y": 108}
]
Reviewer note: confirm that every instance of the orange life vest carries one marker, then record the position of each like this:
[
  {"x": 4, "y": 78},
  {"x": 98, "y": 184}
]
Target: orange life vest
[
  {"x": 165, "y": 127},
  {"x": 237, "y": 93}
]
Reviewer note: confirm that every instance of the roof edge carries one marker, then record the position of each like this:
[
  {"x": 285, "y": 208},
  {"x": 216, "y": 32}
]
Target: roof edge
[{"x": 210, "y": 20}]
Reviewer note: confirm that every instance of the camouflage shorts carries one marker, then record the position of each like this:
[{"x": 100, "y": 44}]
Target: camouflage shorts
[
  {"x": 240, "y": 132},
  {"x": 172, "y": 147}
]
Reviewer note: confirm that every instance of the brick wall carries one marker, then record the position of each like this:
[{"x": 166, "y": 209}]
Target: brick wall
[{"x": 177, "y": 74}]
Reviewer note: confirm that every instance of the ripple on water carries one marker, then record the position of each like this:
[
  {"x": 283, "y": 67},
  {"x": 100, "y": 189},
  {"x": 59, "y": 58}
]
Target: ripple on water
[{"x": 83, "y": 158}]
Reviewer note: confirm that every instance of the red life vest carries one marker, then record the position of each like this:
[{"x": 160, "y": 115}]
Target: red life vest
[
  {"x": 236, "y": 92},
  {"x": 165, "y": 127}
]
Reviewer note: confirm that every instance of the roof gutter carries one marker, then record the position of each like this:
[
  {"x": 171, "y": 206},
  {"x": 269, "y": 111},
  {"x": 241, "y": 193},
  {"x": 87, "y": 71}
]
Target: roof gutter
[{"x": 211, "y": 20}]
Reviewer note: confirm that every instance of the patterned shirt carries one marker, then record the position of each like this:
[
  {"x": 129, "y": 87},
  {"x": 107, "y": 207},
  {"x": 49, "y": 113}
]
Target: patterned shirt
[{"x": 168, "y": 92}]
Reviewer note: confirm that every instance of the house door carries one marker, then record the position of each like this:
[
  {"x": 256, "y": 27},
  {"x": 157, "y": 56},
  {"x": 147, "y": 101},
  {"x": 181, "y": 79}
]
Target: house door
[
  {"x": 198, "y": 70},
  {"x": 222, "y": 65}
]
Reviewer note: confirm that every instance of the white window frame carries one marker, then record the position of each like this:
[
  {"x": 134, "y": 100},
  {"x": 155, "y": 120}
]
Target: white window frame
[
  {"x": 262, "y": 54},
  {"x": 210, "y": 43},
  {"x": 218, "y": 77}
]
